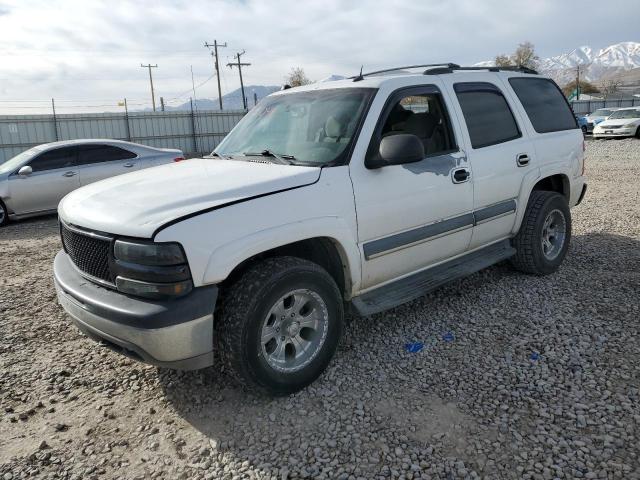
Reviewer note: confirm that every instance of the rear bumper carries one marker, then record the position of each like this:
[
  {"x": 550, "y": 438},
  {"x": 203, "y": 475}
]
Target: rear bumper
[{"x": 173, "y": 333}]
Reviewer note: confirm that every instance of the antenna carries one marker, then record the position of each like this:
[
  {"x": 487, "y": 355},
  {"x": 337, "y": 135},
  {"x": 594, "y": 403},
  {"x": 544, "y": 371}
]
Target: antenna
[{"x": 359, "y": 77}]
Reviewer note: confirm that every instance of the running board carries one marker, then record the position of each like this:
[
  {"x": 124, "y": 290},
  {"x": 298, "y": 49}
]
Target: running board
[{"x": 421, "y": 283}]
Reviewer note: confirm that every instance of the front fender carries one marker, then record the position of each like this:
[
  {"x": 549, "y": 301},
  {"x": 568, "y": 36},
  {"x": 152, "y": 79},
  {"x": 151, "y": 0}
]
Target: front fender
[{"x": 228, "y": 256}]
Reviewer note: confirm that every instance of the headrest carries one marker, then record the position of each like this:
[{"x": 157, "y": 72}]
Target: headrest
[{"x": 333, "y": 128}]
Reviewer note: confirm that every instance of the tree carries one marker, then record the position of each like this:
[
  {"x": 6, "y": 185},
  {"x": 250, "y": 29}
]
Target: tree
[
  {"x": 585, "y": 87},
  {"x": 503, "y": 60},
  {"x": 524, "y": 56},
  {"x": 609, "y": 86},
  {"x": 297, "y": 77}
]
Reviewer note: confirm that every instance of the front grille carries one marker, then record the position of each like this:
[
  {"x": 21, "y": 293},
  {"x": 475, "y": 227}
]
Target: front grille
[{"x": 90, "y": 253}]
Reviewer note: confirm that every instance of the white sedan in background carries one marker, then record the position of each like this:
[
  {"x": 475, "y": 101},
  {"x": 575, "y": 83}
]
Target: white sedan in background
[
  {"x": 624, "y": 122},
  {"x": 33, "y": 182}
]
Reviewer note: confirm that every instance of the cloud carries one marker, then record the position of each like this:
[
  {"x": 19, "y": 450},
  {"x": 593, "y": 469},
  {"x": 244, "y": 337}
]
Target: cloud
[{"x": 78, "y": 50}]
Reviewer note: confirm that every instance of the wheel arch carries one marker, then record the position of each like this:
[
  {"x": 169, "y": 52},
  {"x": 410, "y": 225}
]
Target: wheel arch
[
  {"x": 323, "y": 251},
  {"x": 552, "y": 181}
]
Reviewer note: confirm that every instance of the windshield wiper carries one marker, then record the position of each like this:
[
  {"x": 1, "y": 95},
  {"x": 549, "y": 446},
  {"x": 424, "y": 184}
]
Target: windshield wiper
[
  {"x": 219, "y": 155},
  {"x": 284, "y": 159}
]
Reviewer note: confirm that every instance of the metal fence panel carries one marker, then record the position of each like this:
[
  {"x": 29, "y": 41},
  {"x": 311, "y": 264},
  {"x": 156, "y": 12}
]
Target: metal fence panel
[
  {"x": 169, "y": 129},
  {"x": 587, "y": 106}
]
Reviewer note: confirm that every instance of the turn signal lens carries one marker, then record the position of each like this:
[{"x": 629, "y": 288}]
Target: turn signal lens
[
  {"x": 153, "y": 290},
  {"x": 178, "y": 159}
]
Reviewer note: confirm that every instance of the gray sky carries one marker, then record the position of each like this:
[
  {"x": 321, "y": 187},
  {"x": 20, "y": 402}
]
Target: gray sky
[{"x": 88, "y": 52}]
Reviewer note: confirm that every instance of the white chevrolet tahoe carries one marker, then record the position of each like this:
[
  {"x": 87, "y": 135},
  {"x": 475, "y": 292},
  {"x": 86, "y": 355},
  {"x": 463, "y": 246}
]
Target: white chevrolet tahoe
[{"x": 353, "y": 195}]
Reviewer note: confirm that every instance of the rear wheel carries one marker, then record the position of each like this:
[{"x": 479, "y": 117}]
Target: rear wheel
[
  {"x": 638, "y": 133},
  {"x": 543, "y": 239},
  {"x": 280, "y": 325},
  {"x": 4, "y": 215}
]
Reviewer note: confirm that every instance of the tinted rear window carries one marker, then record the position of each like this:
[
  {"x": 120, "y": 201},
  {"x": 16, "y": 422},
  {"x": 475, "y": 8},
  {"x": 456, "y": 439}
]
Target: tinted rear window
[
  {"x": 544, "y": 103},
  {"x": 486, "y": 113},
  {"x": 103, "y": 153}
]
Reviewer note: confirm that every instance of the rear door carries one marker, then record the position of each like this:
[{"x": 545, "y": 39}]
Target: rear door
[
  {"x": 55, "y": 174},
  {"x": 98, "y": 161},
  {"x": 557, "y": 137},
  {"x": 501, "y": 154}
]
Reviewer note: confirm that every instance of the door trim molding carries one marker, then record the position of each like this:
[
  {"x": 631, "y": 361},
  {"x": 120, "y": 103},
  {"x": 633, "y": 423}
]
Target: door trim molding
[{"x": 424, "y": 233}]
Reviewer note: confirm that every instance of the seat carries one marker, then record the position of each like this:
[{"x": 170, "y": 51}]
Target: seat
[
  {"x": 425, "y": 126},
  {"x": 333, "y": 130}
]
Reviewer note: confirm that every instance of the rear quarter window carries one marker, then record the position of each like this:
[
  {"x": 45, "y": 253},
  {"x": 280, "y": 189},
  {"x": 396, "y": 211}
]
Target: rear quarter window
[{"x": 545, "y": 104}]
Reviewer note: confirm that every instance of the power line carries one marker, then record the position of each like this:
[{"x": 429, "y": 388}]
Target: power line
[
  {"x": 153, "y": 95},
  {"x": 214, "y": 53},
  {"x": 240, "y": 65},
  {"x": 186, "y": 92}
]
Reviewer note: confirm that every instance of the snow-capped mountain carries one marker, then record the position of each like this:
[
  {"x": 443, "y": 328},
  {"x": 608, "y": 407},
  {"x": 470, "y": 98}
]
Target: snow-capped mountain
[{"x": 595, "y": 64}]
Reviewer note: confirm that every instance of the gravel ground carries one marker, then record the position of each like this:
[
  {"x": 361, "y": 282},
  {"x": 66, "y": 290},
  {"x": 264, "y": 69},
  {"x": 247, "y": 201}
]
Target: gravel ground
[{"x": 520, "y": 377}]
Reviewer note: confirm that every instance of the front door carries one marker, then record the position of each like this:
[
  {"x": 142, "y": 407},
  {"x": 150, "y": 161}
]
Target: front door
[
  {"x": 414, "y": 215},
  {"x": 98, "y": 162},
  {"x": 54, "y": 174}
]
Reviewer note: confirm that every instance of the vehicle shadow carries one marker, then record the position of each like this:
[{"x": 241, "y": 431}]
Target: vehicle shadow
[
  {"x": 30, "y": 228},
  {"x": 239, "y": 422}
]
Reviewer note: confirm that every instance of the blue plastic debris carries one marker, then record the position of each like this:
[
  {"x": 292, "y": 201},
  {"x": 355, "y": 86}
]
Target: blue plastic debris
[
  {"x": 448, "y": 337},
  {"x": 414, "y": 347},
  {"x": 534, "y": 356}
]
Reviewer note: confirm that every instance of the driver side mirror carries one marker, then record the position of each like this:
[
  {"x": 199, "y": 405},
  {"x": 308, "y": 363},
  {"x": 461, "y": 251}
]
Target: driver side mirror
[
  {"x": 25, "y": 171},
  {"x": 397, "y": 150}
]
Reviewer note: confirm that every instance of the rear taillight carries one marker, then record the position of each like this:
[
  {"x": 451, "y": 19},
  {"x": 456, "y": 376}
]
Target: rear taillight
[{"x": 178, "y": 159}]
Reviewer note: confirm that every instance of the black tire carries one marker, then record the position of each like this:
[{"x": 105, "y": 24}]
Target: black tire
[
  {"x": 584, "y": 130},
  {"x": 4, "y": 215},
  {"x": 246, "y": 305},
  {"x": 530, "y": 256},
  {"x": 638, "y": 133}
]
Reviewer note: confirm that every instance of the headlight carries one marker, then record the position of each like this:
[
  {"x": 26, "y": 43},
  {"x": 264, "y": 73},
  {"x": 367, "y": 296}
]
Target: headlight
[
  {"x": 153, "y": 270},
  {"x": 149, "y": 253}
]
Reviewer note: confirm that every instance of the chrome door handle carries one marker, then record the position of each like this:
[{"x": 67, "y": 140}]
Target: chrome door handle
[
  {"x": 69, "y": 174},
  {"x": 128, "y": 165},
  {"x": 460, "y": 175},
  {"x": 522, "y": 159}
]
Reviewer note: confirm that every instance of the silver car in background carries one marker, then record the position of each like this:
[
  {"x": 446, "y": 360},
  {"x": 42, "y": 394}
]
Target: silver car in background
[{"x": 33, "y": 182}]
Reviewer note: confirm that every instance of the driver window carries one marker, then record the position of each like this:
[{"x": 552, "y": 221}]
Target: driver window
[
  {"x": 423, "y": 116},
  {"x": 53, "y": 159}
]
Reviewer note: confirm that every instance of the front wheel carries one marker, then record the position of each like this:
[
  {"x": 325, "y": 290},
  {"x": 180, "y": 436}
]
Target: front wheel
[
  {"x": 4, "y": 215},
  {"x": 280, "y": 325},
  {"x": 543, "y": 239}
]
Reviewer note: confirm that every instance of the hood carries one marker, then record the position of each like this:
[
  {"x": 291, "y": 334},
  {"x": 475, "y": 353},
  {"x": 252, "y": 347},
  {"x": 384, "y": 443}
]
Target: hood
[
  {"x": 136, "y": 204},
  {"x": 618, "y": 121}
]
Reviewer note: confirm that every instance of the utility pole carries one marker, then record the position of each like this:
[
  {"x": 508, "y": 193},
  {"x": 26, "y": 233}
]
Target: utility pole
[
  {"x": 214, "y": 54},
  {"x": 240, "y": 65},
  {"x": 162, "y": 104},
  {"x": 153, "y": 95},
  {"x": 55, "y": 119},
  {"x": 577, "y": 82}
]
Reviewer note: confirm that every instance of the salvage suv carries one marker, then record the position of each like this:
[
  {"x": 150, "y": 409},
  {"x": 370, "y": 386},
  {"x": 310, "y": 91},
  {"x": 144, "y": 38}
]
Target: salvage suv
[{"x": 355, "y": 195}]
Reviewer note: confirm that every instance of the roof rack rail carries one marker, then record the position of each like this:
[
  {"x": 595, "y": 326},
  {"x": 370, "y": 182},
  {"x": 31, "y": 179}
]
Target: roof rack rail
[
  {"x": 451, "y": 69},
  {"x": 361, "y": 76}
]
